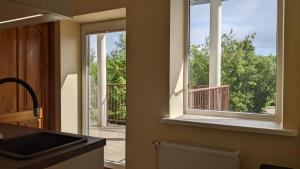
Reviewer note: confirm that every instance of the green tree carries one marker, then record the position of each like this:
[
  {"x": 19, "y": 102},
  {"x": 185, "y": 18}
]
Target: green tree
[
  {"x": 199, "y": 64},
  {"x": 116, "y": 74},
  {"x": 251, "y": 77},
  {"x": 93, "y": 91},
  {"x": 93, "y": 65},
  {"x": 116, "y": 62}
]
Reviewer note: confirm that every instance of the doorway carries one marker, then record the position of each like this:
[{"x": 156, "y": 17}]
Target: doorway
[{"x": 105, "y": 89}]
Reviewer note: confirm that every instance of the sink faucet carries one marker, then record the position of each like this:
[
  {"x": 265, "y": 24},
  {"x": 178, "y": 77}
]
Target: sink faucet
[{"x": 29, "y": 89}]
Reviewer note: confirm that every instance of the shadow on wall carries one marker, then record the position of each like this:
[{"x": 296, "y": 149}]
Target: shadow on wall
[{"x": 69, "y": 104}]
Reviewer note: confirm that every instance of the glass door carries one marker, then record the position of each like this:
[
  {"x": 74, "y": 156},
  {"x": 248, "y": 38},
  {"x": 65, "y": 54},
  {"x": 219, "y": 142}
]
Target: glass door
[{"x": 107, "y": 92}]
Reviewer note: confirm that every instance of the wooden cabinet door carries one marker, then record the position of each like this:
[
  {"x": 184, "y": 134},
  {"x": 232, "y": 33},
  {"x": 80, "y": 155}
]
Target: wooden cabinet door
[
  {"x": 33, "y": 65},
  {"x": 8, "y": 68},
  {"x": 24, "y": 54},
  {"x": 29, "y": 65}
]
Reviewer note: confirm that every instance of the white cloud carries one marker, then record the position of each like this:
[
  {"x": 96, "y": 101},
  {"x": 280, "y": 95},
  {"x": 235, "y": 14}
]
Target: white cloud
[{"x": 244, "y": 17}]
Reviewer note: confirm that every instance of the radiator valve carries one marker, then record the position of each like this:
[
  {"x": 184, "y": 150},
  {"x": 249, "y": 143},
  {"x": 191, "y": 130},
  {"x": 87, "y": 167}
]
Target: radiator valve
[{"x": 156, "y": 145}]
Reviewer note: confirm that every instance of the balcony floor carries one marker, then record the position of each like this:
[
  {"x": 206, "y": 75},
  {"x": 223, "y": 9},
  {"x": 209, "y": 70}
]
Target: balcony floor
[{"x": 114, "y": 150}]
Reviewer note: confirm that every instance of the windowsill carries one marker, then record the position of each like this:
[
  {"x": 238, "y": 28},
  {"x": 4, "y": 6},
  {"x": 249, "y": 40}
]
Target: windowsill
[
  {"x": 114, "y": 165},
  {"x": 234, "y": 124}
]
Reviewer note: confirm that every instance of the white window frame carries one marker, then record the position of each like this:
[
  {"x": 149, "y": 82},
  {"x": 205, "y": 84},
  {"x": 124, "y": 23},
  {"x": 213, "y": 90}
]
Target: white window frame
[{"x": 279, "y": 81}]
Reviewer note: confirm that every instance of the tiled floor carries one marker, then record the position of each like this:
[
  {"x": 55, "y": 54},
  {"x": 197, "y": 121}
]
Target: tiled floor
[{"x": 115, "y": 142}]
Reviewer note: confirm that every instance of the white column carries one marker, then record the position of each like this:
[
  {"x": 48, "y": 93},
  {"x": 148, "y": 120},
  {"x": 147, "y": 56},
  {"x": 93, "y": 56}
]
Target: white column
[
  {"x": 215, "y": 43},
  {"x": 102, "y": 97},
  {"x": 215, "y": 52}
]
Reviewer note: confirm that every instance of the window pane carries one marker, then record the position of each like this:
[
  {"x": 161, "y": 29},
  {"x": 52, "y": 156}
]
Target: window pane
[
  {"x": 258, "y": 17},
  {"x": 107, "y": 94},
  {"x": 199, "y": 33},
  {"x": 248, "y": 57},
  {"x": 199, "y": 23},
  {"x": 93, "y": 75}
]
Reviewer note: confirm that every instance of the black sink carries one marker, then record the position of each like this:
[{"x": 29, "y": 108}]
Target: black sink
[{"x": 33, "y": 145}]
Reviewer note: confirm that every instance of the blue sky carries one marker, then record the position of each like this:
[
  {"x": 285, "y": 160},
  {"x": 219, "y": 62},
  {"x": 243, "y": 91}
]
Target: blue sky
[
  {"x": 244, "y": 17},
  {"x": 111, "y": 39}
]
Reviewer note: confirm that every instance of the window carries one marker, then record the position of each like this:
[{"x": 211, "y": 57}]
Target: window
[{"x": 234, "y": 65}]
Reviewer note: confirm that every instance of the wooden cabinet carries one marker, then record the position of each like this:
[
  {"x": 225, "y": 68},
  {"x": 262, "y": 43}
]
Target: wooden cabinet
[
  {"x": 24, "y": 53},
  {"x": 8, "y": 68},
  {"x": 32, "y": 64}
]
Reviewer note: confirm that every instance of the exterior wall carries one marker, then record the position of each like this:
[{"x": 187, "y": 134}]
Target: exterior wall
[{"x": 70, "y": 77}]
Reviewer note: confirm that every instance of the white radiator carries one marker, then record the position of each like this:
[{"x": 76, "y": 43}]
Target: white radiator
[{"x": 175, "y": 156}]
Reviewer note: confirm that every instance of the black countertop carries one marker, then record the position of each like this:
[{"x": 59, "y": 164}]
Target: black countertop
[{"x": 45, "y": 160}]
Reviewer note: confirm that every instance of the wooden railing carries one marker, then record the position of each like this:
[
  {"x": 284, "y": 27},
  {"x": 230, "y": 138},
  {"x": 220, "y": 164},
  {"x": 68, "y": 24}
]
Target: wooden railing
[
  {"x": 209, "y": 98},
  {"x": 116, "y": 102}
]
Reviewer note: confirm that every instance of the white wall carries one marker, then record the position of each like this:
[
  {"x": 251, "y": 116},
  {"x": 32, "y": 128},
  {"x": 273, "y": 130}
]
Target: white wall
[
  {"x": 70, "y": 77},
  {"x": 148, "y": 44},
  {"x": 148, "y": 39}
]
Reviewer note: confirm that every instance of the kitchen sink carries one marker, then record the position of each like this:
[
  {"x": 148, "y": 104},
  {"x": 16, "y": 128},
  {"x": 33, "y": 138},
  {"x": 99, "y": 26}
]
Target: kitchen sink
[{"x": 33, "y": 145}]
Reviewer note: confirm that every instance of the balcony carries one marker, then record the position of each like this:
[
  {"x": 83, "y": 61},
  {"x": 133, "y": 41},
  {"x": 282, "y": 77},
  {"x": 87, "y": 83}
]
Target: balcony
[
  {"x": 209, "y": 98},
  {"x": 116, "y": 102},
  {"x": 115, "y": 128}
]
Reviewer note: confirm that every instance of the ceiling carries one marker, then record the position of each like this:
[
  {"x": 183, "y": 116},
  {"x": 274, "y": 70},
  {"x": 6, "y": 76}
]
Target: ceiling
[
  {"x": 51, "y": 11},
  {"x": 11, "y": 11},
  {"x": 100, "y": 16}
]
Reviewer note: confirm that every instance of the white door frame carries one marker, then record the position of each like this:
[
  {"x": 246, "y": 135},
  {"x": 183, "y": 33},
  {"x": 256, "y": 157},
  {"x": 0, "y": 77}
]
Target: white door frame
[{"x": 87, "y": 29}]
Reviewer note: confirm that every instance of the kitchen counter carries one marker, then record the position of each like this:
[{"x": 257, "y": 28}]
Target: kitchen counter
[{"x": 50, "y": 158}]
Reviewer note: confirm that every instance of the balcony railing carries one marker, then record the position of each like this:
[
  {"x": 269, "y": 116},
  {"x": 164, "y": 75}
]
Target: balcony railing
[
  {"x": 209, "y": 98},
  {"x": 200, "y": 97},
  {"x": 116, "y": 102}
]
